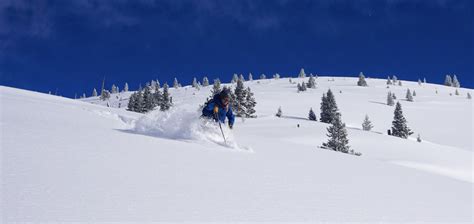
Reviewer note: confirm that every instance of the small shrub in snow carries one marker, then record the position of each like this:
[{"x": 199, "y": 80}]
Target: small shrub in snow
[
  {"x": 367, "y": 124},
  {"x": 279, "y": 113}
]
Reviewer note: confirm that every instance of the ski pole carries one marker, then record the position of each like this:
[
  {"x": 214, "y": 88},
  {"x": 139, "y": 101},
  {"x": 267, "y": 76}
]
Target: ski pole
[{"x": 220, "y": 126}]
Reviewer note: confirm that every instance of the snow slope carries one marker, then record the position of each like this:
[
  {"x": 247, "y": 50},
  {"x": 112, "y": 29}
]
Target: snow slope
[{"x": 67, "y": 160}]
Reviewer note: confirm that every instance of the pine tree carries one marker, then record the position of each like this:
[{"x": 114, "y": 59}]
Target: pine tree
[
  {"x": 165, "y": 101},
  {"x": 393, "y": 96},
  {"x": 409, "y": 97},
  {"x": 157, "y": 97},
  {"x": 113, "y": 89},
  {"x": 276, "y": 76},
  {"x": 240, "y": 98},
  {"x": 419, "y": 82},
  {"x": 328, "y": 107},
  {"x": 399, "y": 123},
  {"x": 241, "y": 77},
  {"x": 400, "y": 82},
  {"x": 394, "y": 79},
  {"x": 424, "y": 80},
  {"x": 250, "y": 103},
  {"x": 298, "y": 87},
  {"x": 418, "y": 139},
  {"x": 148, "y": 99},
  {"x": 105, "y": 95},
  {"x": 262, "y": 76},
  {"x": 367, "y": 124},
  {"x": 414, "y": 93},
  {"x": 175, "y": 83},
  {"x": 205, "y": 81},
  {"x": 448, "y": 81},
  {"x": 389, "y": 81},
  {"x": 302, "y": 87},
  {"x": 158, "y": 85},
  {"x": 194, "y": 83},
  {"x": 311, "y": 82},
  {"x": 279, "y": 113},
  {"x": 216, "y": 87},
  {"x": 235, "y": 77},
  {"x": 302, "y": 74},
  {"x": 390, "y": 100},
  {"x": 337, "y": 134},
  {"x": 83, "y": 95},
  {"x": 94, "y": 92},
  {"x": 312, "y": 115},
  {"x": 456, "y": 92},
  {"x": 131, "y": 102},
  {"x": 250, "y": 77},
  {"x": 469, "y": 96},
  {"x": 361, "y": 81},
  {"x": 456, "y": 82}
]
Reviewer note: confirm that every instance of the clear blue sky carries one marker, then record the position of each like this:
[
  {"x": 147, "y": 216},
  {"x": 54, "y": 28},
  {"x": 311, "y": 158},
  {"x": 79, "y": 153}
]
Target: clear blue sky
[{"x": 70, "y": 45}]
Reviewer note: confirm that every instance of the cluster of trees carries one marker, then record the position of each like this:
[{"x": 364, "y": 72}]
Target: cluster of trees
[
  {"x": 310, "y": 84},
  {"x": 242, "y": 99},
  {"x": 393, "y": 81},
  {"x": 454, "y": 82},
  {"x": 149, "y": 98}
]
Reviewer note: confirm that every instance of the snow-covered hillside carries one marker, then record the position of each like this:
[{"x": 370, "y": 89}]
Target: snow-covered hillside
[{"x": 71, "y": 160}]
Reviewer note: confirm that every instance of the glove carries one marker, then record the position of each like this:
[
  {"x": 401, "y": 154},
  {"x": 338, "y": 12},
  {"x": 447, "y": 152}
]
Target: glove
[{"x": 216, "y": 109}]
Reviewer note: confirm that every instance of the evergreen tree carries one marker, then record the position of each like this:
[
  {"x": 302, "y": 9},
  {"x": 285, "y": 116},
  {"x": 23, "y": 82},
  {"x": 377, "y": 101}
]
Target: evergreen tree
[
  {"x": 205, "y": 81},
  {"x": 241, "y": 77},
  {"x": 456, "y": 92},
  {"x": 303, "y": 87},
  {"x": 158, "y": 85},
  {"x": 194, "y": 83},
  {"x": 276, "y": 76},
  {"x": 262, "y": 76},
  {"x": 250, "y": 77},
  {"x": 328, "y": 107},
  {"x": 337, "y": 134},
  {"x": 419, "y": 82},
  {"x": 389, "y": 81},
  {"x": 302, "y": 74},
  {"x": 165, "y": 101},
  {"x": 448, "y": 81},
  {"x": 409, "y": 97},
  {"x": 157, "y": 97},
  {"x": 148, "y": 99},
  {"x": 175, "y": 83},
  {"x": 240, "y": 96},
  {"x": 361, "y": 81},
  {"x": 367, "y": 124},
  {"x": 399, "y": 123},
  {"x": 393, "y": 96},
  {"x": 311, "y": 82},
  {"x": 390, "y": 100},
  {"x": 424, "y": 80},
  {"x": 114, "y": 89},
  {"x": 83, "y": 95},
  {"x": 94, "y": 92},
  {"x": 418, "y": 139},
  {"x": 235, "y": 77},
  {"x": 279, "y": 113},
  {"x": 414, "y": 93},
  {"x": 216, "y": 87},
  {"x": 456, "y": 82},
  {"x": 250, "y": 103},
  {"x": 469, "y": 96},
  {"x": 394, "y": 79},
  {"x": 298, "y": 87},
  {"x": 312, "y": 115},
  {"x": 105, "y": 95},
  {"x": 400, "y": 82},
  {"x": 131, "y": 102}
]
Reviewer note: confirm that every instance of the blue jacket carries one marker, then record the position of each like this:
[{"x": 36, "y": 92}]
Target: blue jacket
[{"x": 208, "y": 111}]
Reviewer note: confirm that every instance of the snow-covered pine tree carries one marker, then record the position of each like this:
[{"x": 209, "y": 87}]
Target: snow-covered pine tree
[
  {"x": 279, "y": 113},
  {"x": 408, "y": 96},
  {"x": 419, "y": 82},
  {"x": 194, "y": 83},
  {"x": 262, "y": 76},
  {"x": 298, "y": 87},
  {"x": 235, "y": 77},
  {"x": 250, "y": 77},
  {"x": 158, "y": 85},
  {"x": 400, "y": 82},
  {"x": 418, "y": 138},
  {"x": 276, "y": 76},
  {"x": 303, "y": 86},
  {"x": 456, "y": 92},
  {"x": 175, "y": 83},
  {"x": 393, "y": 96},
  {"x": 216, "y": 87},
  {"x": 414, "y": 93},
  {"x": 157, "y": 97},
  {"x": 337, "y": 134},
  {"x": 448, "y": 81},
  {"x": 311, "y": 82},
  {"x": 312, "y": 115},
  {"x": 148, "y": 100},
  {"x": 205, "y": 81},
  {"x": 241, "y": 77},
  {"x": 328, "y": 107},
  {"x": 302, "y": 74},
  {"x": 105, "y": 94},
  {"x": 456, "y": 82},
  {"x": 165, "y": 101},
  {"x": 83, "y": 95},
  {"x": 94, "y": 92},
  {"x": 367, "y": 124},
  {"x": 390, "y": 100},
  {"x": 389, "y": 81},
  {"x": 250, "y": 103},
  {"x": 153, "y": 85},
  {"x": 394, "y": 79},
  {"x": 131, "y": 102},
  {"x": 240, "y": 98},
  {"x": 399, "y": 123},
  {"x": 424, "y": 80},
  {"x": 469, "y": 96},
  {"x": 361, "y": 81}
]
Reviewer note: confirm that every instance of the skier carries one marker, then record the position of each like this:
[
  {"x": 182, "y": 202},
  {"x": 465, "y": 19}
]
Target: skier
[{"x": 218, "y": 108}]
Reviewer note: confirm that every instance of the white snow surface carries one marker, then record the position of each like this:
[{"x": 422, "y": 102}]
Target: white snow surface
[{"x": 76, "y": 160}]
